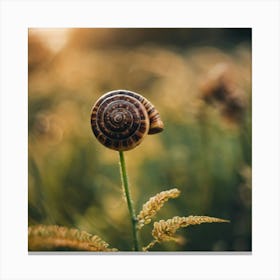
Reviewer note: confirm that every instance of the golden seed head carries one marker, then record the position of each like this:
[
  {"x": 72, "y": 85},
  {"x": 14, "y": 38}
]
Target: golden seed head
[
  {"x": 153, "y": 205},
  {"x": 164, "y": 230},
  {"x": 53, "y": 237}
]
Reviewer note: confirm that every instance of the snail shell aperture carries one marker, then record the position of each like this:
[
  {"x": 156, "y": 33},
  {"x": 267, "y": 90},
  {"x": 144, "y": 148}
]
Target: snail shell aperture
[{"x": 120, "y": 119}]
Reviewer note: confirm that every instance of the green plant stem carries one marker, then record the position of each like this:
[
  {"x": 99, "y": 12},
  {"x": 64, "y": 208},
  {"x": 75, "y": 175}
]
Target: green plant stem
[{"x": 129, "y": 201}]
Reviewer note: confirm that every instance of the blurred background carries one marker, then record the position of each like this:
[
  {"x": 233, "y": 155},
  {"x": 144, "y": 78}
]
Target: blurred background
[{"x": 200, "y": 82}]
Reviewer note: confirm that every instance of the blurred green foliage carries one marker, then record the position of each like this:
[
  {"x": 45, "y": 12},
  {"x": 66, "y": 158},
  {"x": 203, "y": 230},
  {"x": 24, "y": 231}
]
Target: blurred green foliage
[{"x": 205, "y": 149}]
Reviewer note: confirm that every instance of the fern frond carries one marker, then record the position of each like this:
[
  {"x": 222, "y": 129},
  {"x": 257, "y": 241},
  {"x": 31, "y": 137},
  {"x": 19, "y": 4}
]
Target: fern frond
[
  {"x": 53, "y": 237},
  {"x": 164, "y": 230},
  {"x": 153, "y": 205}
]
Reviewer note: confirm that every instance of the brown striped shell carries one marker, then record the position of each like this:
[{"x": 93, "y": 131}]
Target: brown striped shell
[{"x": 120, "y": 119}]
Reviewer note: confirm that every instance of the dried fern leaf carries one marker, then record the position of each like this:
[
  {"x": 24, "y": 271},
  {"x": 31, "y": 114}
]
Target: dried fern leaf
[
  {"x": 164, "y": 230},
  {"x": 153, "y": 205},
  {"x": 53, "y": 238}
]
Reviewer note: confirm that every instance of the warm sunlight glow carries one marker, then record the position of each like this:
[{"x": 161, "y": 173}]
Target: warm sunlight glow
[{"x": 54, "y": 38}]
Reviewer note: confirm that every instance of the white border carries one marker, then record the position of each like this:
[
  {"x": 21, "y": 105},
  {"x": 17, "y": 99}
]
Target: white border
[{"x": 17, "y": 16}]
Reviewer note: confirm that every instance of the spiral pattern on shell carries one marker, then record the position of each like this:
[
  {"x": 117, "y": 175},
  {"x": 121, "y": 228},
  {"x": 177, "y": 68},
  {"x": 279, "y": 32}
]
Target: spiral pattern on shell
[{"x": 120, "y": 119}]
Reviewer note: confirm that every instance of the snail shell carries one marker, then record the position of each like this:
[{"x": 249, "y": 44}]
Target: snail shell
[{"x": 120, "y": 119}]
